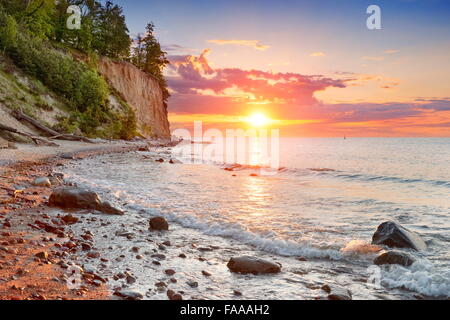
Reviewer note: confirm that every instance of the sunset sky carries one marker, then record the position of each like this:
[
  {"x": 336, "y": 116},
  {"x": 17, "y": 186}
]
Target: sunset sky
[{"x": 313, "y": 66}]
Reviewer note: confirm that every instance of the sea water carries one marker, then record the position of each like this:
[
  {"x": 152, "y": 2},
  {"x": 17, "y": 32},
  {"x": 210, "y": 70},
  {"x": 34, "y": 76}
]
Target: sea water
[{"x": 323, "y": 204}]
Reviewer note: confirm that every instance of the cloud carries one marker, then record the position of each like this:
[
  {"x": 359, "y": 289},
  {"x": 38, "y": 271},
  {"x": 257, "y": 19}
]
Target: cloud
[
  {"x": 373, "y": 58},
  {"x": 176, "y": 48},
  {"x": 198, "y": 88},
  {"x": 391, "y": 51},
  {"x": 244, "y": 43},
  {"x": 317, "y": 54}
]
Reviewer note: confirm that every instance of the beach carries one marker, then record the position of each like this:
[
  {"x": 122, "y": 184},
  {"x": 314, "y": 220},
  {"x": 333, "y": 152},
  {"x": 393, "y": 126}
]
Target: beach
[
  {"x": 23, "y": 274},
  {"x": 121, "y": 258}
]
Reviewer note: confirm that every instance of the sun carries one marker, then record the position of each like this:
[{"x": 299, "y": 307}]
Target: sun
[{"x": 258, "y": 120}]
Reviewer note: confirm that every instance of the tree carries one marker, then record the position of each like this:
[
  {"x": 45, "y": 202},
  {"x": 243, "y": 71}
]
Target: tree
[
  {"x": 149, "y": 56},
  {"x": 8, "y": 37},
  {"x": 138, "y": 52},
  {"x": 155, "y": 59},
  {"x": 38, "y": 17},
  {"x": 111, "y": 32},
  {"x": 103, "y": 28}
]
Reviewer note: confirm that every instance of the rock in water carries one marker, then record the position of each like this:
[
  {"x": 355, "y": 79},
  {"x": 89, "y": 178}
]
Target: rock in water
[
  {"x": 42, "y": 182},
  {"x": 394, "y": 257},
  {"x": 394, "y": 235},
  {"x": 75, "y": 198},
  {"x": 159, "y": 223},
  {"x": 253, "y": 265}
]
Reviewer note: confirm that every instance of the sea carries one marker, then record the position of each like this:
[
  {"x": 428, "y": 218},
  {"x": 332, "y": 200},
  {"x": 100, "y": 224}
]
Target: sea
[{"x": 321, "y": 206}]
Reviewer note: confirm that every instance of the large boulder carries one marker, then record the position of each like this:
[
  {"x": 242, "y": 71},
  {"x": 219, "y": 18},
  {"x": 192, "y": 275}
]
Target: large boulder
[
  {"x": 76, "y": 198},
  {"x": 394, "y": 235},
  {"x": 246, "y": 264},
  {"x": 159, "y": 224},
  {"x": 394, "y": 257}
]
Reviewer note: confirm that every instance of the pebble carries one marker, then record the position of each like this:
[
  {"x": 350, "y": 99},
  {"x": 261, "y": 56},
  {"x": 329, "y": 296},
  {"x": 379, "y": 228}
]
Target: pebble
[
  {"x": 192, "y": 284},
  {"x": 170, "y": 272}
]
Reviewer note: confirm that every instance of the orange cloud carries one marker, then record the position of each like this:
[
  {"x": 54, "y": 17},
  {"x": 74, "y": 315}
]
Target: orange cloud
[
  {"x": 373, "y": 58},
  {"x": 317, "y": 54},
  {"x": 220, "y": 96},
  {"x": 244, "y": 43},
  {"x": 198, "y": 88},
  {"x": 391, "y": 51}
]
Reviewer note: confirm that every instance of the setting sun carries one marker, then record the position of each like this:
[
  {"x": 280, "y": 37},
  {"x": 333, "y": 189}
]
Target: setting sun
[{"x": 258, "y": 120}]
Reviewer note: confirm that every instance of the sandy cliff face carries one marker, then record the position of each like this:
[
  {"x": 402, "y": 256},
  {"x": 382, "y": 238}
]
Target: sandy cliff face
[{"x": 142, "y": 93}]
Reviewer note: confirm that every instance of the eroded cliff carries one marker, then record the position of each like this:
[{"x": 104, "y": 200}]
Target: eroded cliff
[{"x": 141, "y": 92}]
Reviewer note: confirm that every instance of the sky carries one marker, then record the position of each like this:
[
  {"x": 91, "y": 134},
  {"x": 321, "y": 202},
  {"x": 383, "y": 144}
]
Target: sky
[{"x": 312, "y": 66}]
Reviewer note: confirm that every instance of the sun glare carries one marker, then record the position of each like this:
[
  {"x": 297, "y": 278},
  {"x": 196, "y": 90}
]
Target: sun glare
[{"x": 258, "y": 120}]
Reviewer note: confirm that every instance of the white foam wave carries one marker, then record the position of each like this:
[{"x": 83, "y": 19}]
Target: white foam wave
[{"x": 421, "y": 277}]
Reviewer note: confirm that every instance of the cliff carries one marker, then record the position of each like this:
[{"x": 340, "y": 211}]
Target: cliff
[{"x": 141, "y": 92}]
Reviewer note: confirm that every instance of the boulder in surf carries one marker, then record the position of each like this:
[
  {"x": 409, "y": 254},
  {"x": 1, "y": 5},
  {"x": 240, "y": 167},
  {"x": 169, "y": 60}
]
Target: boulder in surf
[{"x": 394, "y": 235}]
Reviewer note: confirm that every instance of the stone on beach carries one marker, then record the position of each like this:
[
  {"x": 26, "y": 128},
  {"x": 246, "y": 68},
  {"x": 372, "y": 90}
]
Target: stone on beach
[
  {"x": 394, "y": 235},
  {"x": 337, "y": 293},
  {"x": 42, "y": 255},
  {"x": 55, "y": 179},
  {"x": 69, "y": 219},
  {"x": 129, "y": 294},
  {"x": 174, "y": 296},
  {"x": 170, "y": 272},
  {"x": 247, "y": 264},
  {"x": 42, "y": 182},
  {"x": 159, "y": 224},
  {"x": 76, "y": 198},
  {"x": 106, "y": 207},
  {"x": 394, "y": 257}
]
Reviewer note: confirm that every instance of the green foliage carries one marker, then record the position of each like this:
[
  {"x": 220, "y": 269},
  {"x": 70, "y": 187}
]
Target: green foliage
[
  {"x": 36, "y": 15},
  {"x": 148, "y": 55},
  {"x": 81, "y": 86},
  {"x": 8, "y": 36},
  {"x": 34, "y": 35},
  {"x": 84, "y": 90},
  {"x": 103, "y": 28}
]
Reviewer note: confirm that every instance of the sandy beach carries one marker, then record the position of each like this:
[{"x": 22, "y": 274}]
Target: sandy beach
[{"x": 31, "y": 257}]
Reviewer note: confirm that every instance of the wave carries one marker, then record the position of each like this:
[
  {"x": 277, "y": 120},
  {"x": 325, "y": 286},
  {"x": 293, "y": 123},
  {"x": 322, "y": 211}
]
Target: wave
[
  {"x": 327, "y": 172},
  {"x": 242, "y": 235},
  {"x": 421, "y": 277},
  {"x": 356, "y": 176}
]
